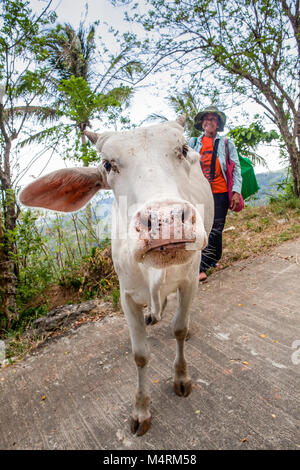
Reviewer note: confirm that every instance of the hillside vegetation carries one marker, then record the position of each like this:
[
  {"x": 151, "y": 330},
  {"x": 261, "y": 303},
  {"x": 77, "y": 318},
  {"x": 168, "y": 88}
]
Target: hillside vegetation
[
  {"x": 269, "y": 184},
  {"x": 257, "y": 229}
]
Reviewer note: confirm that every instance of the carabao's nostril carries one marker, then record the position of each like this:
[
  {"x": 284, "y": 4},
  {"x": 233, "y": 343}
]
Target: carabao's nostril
[
  {"x": 144, "y": 221},
  {"x": 186, "y": 214}
]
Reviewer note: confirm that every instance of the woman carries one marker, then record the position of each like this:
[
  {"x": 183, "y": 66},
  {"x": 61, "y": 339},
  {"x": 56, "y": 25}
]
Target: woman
[{"x": 212, "y": 150}]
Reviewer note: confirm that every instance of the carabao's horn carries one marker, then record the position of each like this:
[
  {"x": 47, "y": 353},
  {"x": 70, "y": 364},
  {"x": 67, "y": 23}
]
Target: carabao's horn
[
  {"x": 93, "y": 136},
  {"x": 181, "y": 120}
]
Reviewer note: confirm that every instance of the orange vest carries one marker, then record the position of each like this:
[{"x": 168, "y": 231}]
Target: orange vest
[{"x": 219, "y": 184}]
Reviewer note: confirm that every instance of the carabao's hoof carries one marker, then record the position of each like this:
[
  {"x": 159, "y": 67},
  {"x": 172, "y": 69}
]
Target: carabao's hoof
[
  {"x": 183, "y": 389},
  {"x": 140, "y": 428},
  {"x": 150, "y": 319}
]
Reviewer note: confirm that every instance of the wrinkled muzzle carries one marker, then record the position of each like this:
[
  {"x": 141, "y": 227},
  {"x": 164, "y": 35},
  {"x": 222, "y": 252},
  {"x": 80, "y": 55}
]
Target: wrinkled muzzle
[{"x": 168, "y": 232}]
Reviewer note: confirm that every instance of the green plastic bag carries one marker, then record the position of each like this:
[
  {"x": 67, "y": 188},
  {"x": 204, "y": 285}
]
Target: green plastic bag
[{"x": 249, "y": 184}]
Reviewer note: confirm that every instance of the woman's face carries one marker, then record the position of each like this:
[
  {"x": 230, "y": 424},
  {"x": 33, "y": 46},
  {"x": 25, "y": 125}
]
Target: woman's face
[{"x": 210, "y": 124}]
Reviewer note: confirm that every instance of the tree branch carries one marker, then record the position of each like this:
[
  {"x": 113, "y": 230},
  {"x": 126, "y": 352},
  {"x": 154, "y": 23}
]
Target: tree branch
[{"x": 26, "y": 34}]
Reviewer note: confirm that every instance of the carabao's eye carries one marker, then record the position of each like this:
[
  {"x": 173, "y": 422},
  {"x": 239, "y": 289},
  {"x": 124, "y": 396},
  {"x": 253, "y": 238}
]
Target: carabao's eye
[
  {"x": 185, "y": 150},
  {"x": 107, "y": 166}
]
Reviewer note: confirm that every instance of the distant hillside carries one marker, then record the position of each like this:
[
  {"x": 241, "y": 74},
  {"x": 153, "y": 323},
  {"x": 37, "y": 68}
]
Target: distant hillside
[{"x": 268, "y": 186}]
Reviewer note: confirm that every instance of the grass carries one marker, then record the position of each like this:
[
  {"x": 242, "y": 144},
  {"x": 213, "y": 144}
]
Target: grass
[{"x": 258, "y": 229}]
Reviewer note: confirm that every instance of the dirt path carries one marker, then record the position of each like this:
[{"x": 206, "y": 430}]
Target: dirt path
[{"x": 77, "y": 391}]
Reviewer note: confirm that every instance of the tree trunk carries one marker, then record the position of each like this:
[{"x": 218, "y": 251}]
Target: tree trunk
[
  {"x": 88, "y": 208},
  {"x": 290, "y": 140},
  {"x": 295, "y": 167},
  {"x": 8, "y": 267}
]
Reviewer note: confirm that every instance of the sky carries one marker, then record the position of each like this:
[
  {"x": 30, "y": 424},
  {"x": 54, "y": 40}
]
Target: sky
[{"x": 151, "y": 99}]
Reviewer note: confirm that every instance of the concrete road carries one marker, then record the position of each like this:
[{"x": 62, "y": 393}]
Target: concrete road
[{"x": 76, "y": 392}]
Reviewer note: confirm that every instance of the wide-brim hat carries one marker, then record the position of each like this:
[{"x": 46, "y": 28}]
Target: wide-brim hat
[{"x": 210, "y": 109}]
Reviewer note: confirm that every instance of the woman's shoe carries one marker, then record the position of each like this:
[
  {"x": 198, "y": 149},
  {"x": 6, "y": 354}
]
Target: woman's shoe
[
  {"x": 202, "y": 276},
  {"x": 219, "y": 267}
]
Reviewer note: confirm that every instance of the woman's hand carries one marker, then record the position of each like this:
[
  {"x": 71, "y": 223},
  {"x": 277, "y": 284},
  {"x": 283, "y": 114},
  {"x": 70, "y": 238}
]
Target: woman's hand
[{"x": 235, "y": 201}]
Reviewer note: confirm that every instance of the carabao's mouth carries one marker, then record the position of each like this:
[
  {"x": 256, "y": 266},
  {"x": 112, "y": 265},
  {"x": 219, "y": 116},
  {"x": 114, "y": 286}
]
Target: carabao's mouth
[
  {"x": 167, "y": 254},
  {"x": 167, "y": 247}
]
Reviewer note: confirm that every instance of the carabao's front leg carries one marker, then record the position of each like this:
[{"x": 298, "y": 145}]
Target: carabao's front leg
[
  {"x": 182, "y": 381},
  {"x": 141, "y": 417}
]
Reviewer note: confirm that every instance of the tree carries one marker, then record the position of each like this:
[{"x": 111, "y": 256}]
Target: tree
[
  {"x": 187, "y": 102},
  {"x": 247, "y": 47},
  {"x": 247, "y": 138},
  {"x": 21, "y": 55},
  {"x": 81, "y": 88},
  {"x": 81, "y": 92}
]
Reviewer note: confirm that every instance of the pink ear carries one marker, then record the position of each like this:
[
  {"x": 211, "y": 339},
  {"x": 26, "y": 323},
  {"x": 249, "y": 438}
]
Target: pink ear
[{"x": 64, "y": 190}]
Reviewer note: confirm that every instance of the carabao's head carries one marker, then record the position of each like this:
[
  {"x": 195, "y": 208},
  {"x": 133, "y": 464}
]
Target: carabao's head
[{"x": 150, "y": 168}]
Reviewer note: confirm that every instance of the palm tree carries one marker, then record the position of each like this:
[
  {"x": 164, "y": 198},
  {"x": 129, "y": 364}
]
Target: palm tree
[
  {"x": 71, "y": 54},
  {"x": 72, "y": 59},
  {"x": 184, "y": 102},
  {"x": 74, "y": 54},
  {"x": 190, "y": 104}
]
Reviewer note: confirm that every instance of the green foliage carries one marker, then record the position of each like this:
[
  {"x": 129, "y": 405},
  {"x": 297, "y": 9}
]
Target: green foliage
[
  {"x": 187, "y": 102},
  {"x": 285, "y": 198},
  {"x": 70, "y": 52},
  {"x": 84, "y": 153},
  {"x": 27, "y": 317},
  {"x": 247, "y": 139},
  {"x": 116, "y": 297},
  {"x": 31, "y": 82},
  {"x": 285, "y": 187},
  {"x": 83, "y": 104},
  {"x": 35, "y": 266},
  {"x": 20, "y": 33},
  {"x": 80, "y": 93}
]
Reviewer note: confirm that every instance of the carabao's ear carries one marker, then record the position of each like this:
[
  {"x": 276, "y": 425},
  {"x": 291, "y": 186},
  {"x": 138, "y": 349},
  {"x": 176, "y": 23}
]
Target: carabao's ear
[{"x": 66, "y": 190}]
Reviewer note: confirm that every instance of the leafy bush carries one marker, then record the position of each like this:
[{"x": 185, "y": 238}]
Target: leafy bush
[
  {"x": 285, "y": 197},
  {"x": 35, "y": 263}
]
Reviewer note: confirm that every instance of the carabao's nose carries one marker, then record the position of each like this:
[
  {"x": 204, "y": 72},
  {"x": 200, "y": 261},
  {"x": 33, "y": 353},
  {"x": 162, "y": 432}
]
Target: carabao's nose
[{"x": 169, "y": 222}]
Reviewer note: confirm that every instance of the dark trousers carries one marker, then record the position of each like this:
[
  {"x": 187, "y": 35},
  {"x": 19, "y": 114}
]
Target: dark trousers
[{"x": 213, "y": 252}]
